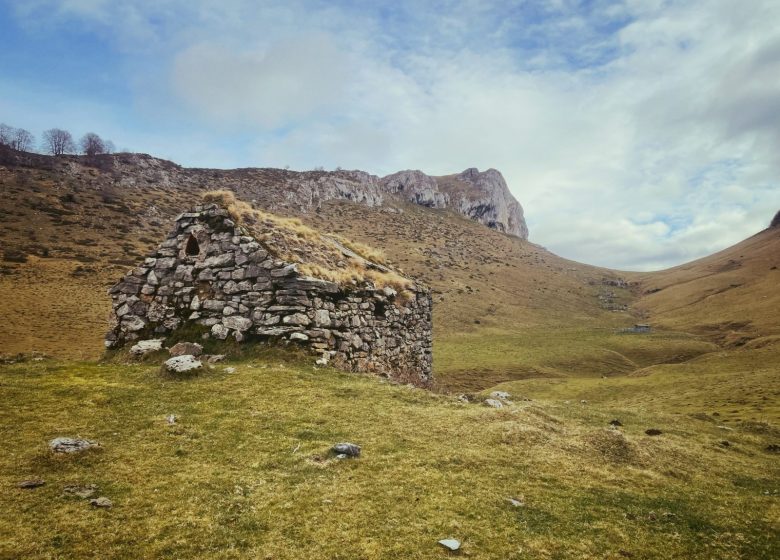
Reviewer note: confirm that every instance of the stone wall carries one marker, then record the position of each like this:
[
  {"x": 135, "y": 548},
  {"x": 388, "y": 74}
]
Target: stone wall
[{"x": 212, "y": 273}]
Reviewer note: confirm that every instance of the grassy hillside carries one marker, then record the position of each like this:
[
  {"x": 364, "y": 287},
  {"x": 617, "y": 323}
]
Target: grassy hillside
[
  {"x": 731, "y": 296},
  {"x": 504, "y": 308},
  {"x": 245, "y": 472},
  {"x": 69, "y": 230}
]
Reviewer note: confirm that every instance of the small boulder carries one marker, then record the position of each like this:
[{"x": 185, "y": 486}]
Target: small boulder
[
  {"x": 182, "y": 348},
  {"x": 183, "y": 364},
  {"x": 450, "y": 544},
  {"x": 502, "y": 395},
  {"x": 230, "y": 370},
  {"x": 236, "y": 322},
  {"x": 171, "y": 419},
  {"x": 214, "y": 358},
  {"x": 33, "y": 483},
  {"x": 615, "y": 422},
  {"x": 347, "y": 449},
  {"x": 71, "y": 445},
  {"x": 84, "y": 492},
  {"x": 101, "y": 502},
  {"x": 494, "y": 403},
  {"x": 144, "y": 347},
  {"x": 219, "y": 331},
  {"x": 653, "y": 432}
]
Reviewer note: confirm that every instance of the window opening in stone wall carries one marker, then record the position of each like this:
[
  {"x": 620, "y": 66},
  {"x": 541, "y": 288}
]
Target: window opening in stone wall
[{"x": 192, "y": 249}]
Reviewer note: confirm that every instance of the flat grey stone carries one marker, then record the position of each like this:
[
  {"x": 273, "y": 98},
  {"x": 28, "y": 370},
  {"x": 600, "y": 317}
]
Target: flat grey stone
[
  {"x": 143, "y": 347},
  {"x": 71, "y": 445},
  {"x": 33, "y": 483},
  {"x": 348, "y": 449},
  {"x": 85, "y": 491},
  {"x": 450, "y": 544},
  {"x": 183, "y": 364},
  {"x": 101, "y": 502}
]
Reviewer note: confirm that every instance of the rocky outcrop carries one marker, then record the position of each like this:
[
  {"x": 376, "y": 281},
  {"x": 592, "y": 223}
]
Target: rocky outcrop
[
  {"x": 213, "y": 274},
  {"x": 775, "y": 220},
  {"x": 416, "y": 186},
  {"x": 481, "y": 196}
]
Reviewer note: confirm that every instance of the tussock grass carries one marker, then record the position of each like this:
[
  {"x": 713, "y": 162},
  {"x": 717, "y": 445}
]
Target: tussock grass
[{"x": 245, "y": 472}]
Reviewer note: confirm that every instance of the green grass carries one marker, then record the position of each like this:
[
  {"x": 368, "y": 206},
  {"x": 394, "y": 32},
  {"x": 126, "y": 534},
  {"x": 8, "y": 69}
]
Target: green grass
[
  {"x": 475, "y": 361},
  {"x": 724, "y": 387},
  {"x": 245, "y": 473}
]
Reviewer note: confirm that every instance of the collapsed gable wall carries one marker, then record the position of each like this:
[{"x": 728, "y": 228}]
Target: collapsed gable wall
[{"x": 210, "y": 272}]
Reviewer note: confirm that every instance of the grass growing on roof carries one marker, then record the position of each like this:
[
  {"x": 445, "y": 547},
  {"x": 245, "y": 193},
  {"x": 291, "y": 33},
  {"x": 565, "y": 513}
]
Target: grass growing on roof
[{"x": 317, "y": 255}]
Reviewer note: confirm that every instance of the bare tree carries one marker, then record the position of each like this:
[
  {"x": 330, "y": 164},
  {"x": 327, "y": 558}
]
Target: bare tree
[
  {"x": 6, "y": 134},
  {"x": 22, "y": 140},
  {"x": 109, "y": 147},
  {"x": 57, "y": 142},
  {"x": 92, "y": 144}
]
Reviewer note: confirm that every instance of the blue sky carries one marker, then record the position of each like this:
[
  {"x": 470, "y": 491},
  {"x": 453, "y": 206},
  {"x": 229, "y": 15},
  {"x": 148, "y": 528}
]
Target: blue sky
[{"x": 637, "y": 134}]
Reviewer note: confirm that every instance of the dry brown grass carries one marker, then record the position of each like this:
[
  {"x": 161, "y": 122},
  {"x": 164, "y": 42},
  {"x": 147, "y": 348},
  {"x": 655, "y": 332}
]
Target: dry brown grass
[{"x": 318, "y": 255}]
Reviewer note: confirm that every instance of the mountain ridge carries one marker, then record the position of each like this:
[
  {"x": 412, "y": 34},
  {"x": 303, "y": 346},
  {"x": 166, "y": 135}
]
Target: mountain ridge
[{"x": 481, "y": 196}]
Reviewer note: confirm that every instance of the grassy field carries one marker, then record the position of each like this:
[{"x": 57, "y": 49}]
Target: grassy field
[
  {"x": 476, "y": 361},
  {"x": 246, "y": 473}
]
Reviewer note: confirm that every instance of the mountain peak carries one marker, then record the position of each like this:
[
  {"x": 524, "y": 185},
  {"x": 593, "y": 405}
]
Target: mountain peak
[
  {"x": 482, "y": 196},
  {"x": 776, "y": 220}
]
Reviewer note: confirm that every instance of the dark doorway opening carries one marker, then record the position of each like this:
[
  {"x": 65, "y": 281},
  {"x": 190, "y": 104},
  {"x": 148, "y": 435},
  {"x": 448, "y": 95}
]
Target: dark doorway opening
[{"x": 192, "y": 249}]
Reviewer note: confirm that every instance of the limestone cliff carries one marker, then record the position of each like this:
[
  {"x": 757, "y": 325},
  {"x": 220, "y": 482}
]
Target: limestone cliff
[{"x": 482, "y": 196}]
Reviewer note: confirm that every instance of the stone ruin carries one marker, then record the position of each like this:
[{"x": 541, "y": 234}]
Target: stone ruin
[{"x": 232, "y": 280}]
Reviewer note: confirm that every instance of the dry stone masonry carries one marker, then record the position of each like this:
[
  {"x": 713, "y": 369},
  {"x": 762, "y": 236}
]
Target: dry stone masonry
[{"x": 213, "y": 273}]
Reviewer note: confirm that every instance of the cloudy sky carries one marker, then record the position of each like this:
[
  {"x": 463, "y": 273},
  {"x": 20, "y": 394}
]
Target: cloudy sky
[{"x": 637, "y": 134}]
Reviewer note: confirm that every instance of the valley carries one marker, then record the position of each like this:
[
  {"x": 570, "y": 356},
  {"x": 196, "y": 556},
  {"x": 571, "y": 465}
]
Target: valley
[{"x": 246, "y": 472}]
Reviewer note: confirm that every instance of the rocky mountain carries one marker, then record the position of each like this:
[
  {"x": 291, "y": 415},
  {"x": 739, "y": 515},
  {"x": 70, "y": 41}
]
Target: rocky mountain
[
  {"x": 482, "y": 196},
  {"x": 776, "y": 220}
]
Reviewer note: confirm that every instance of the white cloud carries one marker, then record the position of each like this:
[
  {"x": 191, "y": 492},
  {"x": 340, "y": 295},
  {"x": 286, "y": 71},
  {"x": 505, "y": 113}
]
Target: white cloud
[{"x": 639, "y": 148}]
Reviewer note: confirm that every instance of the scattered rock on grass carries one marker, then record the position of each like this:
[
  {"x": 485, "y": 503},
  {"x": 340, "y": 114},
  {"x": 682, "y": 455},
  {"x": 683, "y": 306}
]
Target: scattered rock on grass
[
  {"x": 653, "y": 432},
  {"x": 494, "y": 403},
  {"x": 85, "y": 491},
  {"x": 183, "y": 348},
  {"x": 725, "y": 443},
  {"x": 615, "y": 422},
  {"x": 347, "y": 449},
  {"x": 450, "y": 544},
  {"x": 171, "y": 419},
  {"x": 183, "y": 364},
  {"x": 230, "y": 370},
  {"x": 33, "y": 483},
  {"x": 515, "y": 502},
  {"x": 101, "y": 502},
  {"x": 773, "y": 448},
  {"x": 144, "y": 347},
  {"x": 71, "y": 445},
  {"x": 502, "y": 395},
  {"x": 214, "y": 358}
]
